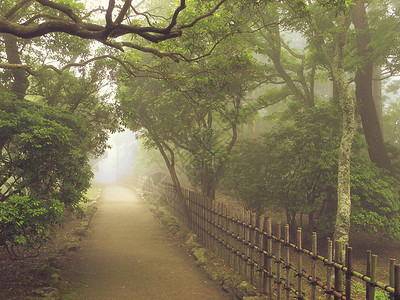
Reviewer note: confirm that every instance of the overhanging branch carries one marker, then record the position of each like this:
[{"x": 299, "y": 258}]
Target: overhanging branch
[{"x": 40, "y": 24}]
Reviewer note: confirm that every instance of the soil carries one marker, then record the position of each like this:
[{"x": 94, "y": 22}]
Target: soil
[{"x": 20, "y": 277}]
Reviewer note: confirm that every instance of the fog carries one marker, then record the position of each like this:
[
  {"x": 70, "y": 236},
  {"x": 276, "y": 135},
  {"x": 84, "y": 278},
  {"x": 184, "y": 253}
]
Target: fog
[{"x": 118, "y": 159}]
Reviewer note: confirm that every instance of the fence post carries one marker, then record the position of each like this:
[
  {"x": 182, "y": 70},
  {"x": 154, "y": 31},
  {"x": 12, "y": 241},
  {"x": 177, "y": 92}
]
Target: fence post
[
  {"x": 246, "y": 239},
  {"x": 209, "y": 222},
  {"x": 278, "y": 262},
  {"x": 228, "y": 236},
  {"x": 329, "y": 271},
  {"x": 300, "y": 264},
  {"x": 314, "y": 265},
  {"x": 260, "y": 255},
  {"x": 373, "y": 277},
  {"x": 200, "y": 212},
  {"x": 242, "y": 236},
  {"x": 391, "y": 275},
  {"x": 251, "y": 247},
  {"x": 223, "y": 247},
  {"x": 267, "y": 257},
  {"x": 397, "y": 282},
  {"x": 212, "y": 226},
  {"x": 369, "y": 261},
  {"x": 349, "y": 257},
  {"x": 338, "y": 271},
  {"x": 220, "y": 247},
  {"x": 235, "y": 241},
  {"x": 265, "y": 254},
  {"x": 287, "y": 265}
]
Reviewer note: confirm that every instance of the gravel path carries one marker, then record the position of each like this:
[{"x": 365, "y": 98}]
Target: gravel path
[{"x": 129, "y": 255}]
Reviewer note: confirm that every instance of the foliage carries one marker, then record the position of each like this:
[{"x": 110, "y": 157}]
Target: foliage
[
  {"x": 376, "y": 206},
  {"x": 26, "y": 220},
  {"x": 43, "y": 168},
  {"x": 80, "y": 94},
  {"x": 194, "y": 108},
  {"x": 294, "y": 167},
  {"x": 245, "y": 176}
]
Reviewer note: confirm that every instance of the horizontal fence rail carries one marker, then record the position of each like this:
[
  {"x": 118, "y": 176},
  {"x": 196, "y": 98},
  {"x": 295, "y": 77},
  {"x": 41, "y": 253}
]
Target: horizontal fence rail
[{"x": 277, "y": 267}]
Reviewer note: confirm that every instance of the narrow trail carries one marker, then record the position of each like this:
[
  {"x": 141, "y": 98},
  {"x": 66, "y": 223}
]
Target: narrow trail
[{"x": 129, "y": 255}]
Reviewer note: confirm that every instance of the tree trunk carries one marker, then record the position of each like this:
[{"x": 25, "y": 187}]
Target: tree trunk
[
  {"x": 342, "y": 225},
  {"x": 20, "y": 83},
  {"x": 364, "y": 94},
  {"x": 377, "y": 93},
  {"x": 339, "y": 76},
  {"x": 170, "y": 162}
]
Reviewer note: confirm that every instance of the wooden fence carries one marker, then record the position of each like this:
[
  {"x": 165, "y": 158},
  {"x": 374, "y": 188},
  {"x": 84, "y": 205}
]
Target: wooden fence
[{"x": 267, "y": 259}]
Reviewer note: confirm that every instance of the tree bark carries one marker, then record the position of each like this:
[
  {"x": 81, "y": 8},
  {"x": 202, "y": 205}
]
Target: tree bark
[
  {"x": 20, "y": 83},
  {"x": 170, "y": 162},
  {"x": 377, "y": 93},
  {"x": 342, "y": 225},
  {"x": 364, "y": 93}
]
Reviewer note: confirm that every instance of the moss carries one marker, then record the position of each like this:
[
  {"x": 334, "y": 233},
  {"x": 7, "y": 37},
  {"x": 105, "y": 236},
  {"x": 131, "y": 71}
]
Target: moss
[
  {"x": 69, "y": 247},
  {"x": 200, "y": 256},
  {"x": 48, "y": 271},
  {"x": 172, "y": 223}
]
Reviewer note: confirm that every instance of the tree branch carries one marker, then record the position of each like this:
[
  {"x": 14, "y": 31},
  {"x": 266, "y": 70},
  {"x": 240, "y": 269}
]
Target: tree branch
[
  {"x": 174, "y": 19},
  {"x": 62, "y": 8},
  {"x": 123, "y": 12},
  {"x": 15, "y": 8},
  {"x": 111, "y": 5},
  {"x": 75, "y": 26},
  {"x": 203, "y": 16}
]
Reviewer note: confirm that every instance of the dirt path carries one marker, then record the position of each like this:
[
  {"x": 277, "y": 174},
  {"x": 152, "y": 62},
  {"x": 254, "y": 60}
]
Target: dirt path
[{"x": 129, "y": 255}]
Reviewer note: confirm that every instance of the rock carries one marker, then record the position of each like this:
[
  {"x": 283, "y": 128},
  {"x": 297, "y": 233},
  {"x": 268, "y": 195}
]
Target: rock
[
  {"x": 246, "y": 288},
  {"x": 55, "y": 276},
  {"x": 55, "y": 262},
  {"x": 191, "y": 241},
  {"x": 215, "y": 275},
  {"x": 200, "y": 255},
  {"x": 49, "y": 271},
  {"x": 81, "y": 230},
  {"x": 72, "y": 246},
  {"x": 62, "y": 285},
  {"x": 171, "y": 223},
  {"x": 46, "y": 292},
  {"x": 69, "y": 247}
]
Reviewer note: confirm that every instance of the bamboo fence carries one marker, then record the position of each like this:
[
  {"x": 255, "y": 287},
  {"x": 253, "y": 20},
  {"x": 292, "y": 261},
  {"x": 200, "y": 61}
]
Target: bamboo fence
[{"x": 278, "y": 268}]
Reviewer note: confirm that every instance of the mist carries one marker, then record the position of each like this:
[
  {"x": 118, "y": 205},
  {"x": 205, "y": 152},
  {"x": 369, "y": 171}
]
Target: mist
[{"x": 117, "y": 160}]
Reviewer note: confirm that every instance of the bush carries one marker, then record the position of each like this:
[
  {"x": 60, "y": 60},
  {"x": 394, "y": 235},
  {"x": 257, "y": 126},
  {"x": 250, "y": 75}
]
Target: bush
[{"x": 43, "y": 169}]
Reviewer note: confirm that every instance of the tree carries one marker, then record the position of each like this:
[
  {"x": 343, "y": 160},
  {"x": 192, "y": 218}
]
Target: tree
[
  {"x": 46, "y": 141},
  {"x": 288, "y": 66},
  {"x": 330, "y": 38},
  {"x": 44, "y": 169},
  {"x": 364, "y": 83},
  {"x": 80, "y": 94},
  {"x": 294, "y": 167},
  {"x": 36, "y": 18},
  {"x": 194, "y": 107}
]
